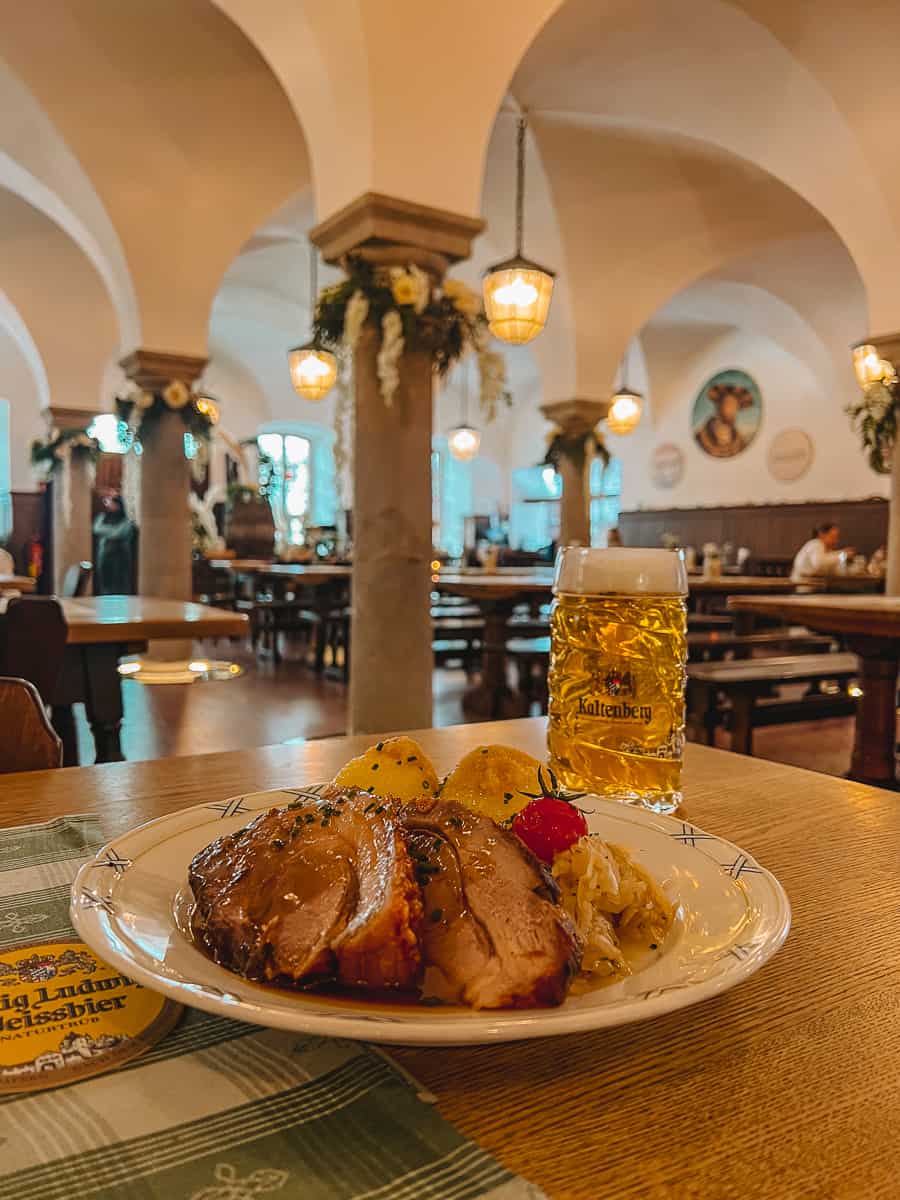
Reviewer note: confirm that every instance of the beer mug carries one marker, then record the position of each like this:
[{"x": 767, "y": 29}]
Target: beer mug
[{"x": 618, "y": 648}]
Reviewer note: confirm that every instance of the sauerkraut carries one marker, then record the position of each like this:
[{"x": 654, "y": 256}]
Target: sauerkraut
[{"x": 611, "y": 900}]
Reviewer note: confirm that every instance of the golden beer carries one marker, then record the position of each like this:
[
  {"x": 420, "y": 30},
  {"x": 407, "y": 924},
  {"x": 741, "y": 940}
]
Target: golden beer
[{"x": 618, "y": 648}]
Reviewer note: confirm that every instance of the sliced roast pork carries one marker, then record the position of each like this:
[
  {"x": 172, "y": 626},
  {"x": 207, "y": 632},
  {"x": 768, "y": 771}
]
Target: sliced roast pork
[
  {"x": 492, "y": 926},
  {"x": 324, "y": 889}
]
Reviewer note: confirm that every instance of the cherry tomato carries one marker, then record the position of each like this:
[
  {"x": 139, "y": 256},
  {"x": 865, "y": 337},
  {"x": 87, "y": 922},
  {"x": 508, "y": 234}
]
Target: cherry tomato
[{"x": 548, "y": 826}]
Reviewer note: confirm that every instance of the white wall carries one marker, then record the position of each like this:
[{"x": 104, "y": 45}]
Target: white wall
[
  {"x": 17, "y": 385},
  {"x": 792, "y": 397}
]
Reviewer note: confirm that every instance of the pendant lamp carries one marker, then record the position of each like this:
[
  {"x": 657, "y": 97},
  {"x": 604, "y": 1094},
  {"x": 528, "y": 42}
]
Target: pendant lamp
[
  {"x": 313, "y": 369},
  {"x": 464, "y": 441},
  {"x": 625, "y": 406},
  {"x": 517, "y": 291}
]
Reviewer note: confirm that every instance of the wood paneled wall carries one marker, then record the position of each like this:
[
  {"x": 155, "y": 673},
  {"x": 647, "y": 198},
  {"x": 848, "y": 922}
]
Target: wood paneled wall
[{"x": 771, "y": 531}]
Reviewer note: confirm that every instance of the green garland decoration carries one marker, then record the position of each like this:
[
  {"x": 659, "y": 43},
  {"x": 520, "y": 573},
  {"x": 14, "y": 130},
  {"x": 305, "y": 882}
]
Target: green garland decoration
[
  {"x": 142, "y": 410},
  {"x": 47, "y": 455},
  {"x": 575, "y": 449},
  {"x": 874, "y": 417},
  {"x": 446, "y": 322}
]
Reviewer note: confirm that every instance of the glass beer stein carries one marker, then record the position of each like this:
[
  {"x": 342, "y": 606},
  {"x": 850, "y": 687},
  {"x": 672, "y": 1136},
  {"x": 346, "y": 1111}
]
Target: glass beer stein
[{"x": 618, "y": 648}]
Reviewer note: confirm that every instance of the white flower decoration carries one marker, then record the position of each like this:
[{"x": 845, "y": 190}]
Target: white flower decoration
[
  {"x": 176, "y": 395},
  {"x": 389, "y": 355},
  {"x": 423, "y": 288},
  {"x": 354, "y": 318}
]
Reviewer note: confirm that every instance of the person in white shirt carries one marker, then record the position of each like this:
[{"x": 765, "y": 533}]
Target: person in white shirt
[{"x": 820, "y": 555}]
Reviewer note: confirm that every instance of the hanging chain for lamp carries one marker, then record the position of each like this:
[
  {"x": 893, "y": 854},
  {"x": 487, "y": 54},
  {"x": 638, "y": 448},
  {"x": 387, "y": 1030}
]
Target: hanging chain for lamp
[
  {"x": 517, "y": 291},
  {"x": 520, "y": 184},
  {"x": 313, "y": 369}
]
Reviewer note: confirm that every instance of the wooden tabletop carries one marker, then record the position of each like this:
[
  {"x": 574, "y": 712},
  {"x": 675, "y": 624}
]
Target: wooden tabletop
[
  {"x": 783, "y": 1088},
  {"x": 16, "y": 583},
  {"x": 93, "y": 619},
  {"x": 878, "y": 616},
  {"x": 258, "y": 566},
  {"x": 739, "y": 584},
  {"x": 494, "y": 587}
]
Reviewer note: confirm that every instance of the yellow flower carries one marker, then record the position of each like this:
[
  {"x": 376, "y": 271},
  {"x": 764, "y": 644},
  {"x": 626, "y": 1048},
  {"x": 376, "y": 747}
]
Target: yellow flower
[
  {"x": 462, "y": 297},
  {"x": 404, "y": 288},
  {"x": 176, "y": 394},
  {"x": 144, "y": 400}
]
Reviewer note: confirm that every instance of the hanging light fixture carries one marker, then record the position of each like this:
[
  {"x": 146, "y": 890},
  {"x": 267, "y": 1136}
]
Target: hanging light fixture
[
  {"x": 313, "y": 369},
  {"x": 625, "y": 405},
  {"x": 517, "y": 291},
  {"x": 870, "y": 367},
  {"x": 464, "y": 441}
]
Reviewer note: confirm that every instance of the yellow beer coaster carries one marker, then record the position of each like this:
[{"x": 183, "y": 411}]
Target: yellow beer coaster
[{"x": 65, "y": 1014}]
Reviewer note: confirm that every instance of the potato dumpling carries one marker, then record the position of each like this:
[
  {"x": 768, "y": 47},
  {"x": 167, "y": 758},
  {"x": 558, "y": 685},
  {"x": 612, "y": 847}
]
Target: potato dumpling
[
  {"x": 396, "y": 767},
  {"x": 491, "y": 780}
]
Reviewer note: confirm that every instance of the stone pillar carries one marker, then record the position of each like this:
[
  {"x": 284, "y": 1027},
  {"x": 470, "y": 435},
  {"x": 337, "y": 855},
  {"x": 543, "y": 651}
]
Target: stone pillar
[
  {"x": 575, "y": 419},
  {"x": 888, "y": 347},
  {"x": 391, "y": 657},
  {"x": 73, "y": 483},
  {"x": 164, "y": 543}
]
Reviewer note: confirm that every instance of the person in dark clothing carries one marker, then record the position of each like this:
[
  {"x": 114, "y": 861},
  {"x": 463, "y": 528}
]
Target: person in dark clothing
[{"x": 115, "y": 546}]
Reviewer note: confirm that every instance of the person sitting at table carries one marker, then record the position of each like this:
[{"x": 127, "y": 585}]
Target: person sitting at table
[{"x": 820, "y": 555}]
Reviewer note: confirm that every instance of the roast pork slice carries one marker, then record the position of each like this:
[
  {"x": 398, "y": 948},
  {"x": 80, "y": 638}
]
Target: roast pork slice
[
  {"x": 322, "y": 889},
  {"x": 492, "y": 924}
]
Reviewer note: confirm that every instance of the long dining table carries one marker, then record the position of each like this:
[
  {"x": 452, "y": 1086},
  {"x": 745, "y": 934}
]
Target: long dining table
[
  {"x": 870, "y": 627},
  {"x": 781, "y": 1089},
  {"x": 99, "y": 630}
]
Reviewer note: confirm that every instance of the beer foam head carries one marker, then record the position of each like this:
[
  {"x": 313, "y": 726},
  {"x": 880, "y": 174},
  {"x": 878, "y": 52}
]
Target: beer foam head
[{"x": 582, "y": 570}]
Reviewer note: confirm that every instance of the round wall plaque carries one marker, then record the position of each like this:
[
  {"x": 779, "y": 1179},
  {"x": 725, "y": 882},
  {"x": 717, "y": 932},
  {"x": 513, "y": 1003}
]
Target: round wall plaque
[
  {"x": 666, "y": 465},
  {"x": 790, "y": 455}
]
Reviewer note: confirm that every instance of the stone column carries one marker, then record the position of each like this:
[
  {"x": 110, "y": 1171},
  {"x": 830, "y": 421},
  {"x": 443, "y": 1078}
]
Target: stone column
[
  {"x": 888, "y": 347},
  {"x": 73, "y": 484},
  {"x": 164, "y": 543},
  {"x": 575, "y": 418},
  {"x": 391, "y": 657}
]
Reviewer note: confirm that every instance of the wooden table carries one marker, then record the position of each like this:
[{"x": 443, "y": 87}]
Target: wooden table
[
  {"x": 100, "y": 630},
  {"x": 325, "y": 588},
  {"x": 870, "y": 626},
  {"x": 705, "y": 594},
  {"x": 16, "y": 583},
  {"x": 496, "y": 597},
  {"x": 782, "y": 1089}
]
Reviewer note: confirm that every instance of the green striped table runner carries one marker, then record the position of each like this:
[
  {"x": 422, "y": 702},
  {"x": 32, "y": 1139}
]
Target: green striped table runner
[{"x": 218, "y": 1110}]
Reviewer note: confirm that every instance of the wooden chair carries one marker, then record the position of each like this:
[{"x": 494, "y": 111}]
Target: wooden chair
[
  {"x": 77, "y": 579},
  {"x": 27, "y": 739},
  {"x": 33, "y": 642}
]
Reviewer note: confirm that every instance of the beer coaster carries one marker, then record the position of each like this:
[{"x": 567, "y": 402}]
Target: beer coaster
[{"x": 65, "y": 1015}]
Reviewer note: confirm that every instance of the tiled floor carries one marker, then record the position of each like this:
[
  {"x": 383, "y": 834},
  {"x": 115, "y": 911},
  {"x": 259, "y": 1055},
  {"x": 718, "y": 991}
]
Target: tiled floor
[{"x": 274, "y": 704}]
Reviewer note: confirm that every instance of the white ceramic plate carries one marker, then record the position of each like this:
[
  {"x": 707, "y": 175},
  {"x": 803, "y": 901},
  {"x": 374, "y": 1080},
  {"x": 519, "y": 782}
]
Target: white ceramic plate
[{"x": 131, "y": 905}]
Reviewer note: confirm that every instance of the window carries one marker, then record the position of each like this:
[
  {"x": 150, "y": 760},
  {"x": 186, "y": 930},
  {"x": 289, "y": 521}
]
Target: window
[
  {"x": 535, "y": 507},
  {"x": 451, "y": 498},
  {"x": 606, "y": 498},
  {"x": 290, "y": 486},
  {"x": 110, "y": 432}
]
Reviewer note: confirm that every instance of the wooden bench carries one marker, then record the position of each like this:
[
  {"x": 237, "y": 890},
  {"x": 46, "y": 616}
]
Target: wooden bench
[
  {"x": 457, "y": 641},
  {"x": 750, "y": 687},
  {"x": 704, "y": 622},
  {"x": 714, "y": 645}
]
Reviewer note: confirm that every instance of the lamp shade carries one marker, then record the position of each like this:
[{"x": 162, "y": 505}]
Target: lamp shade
[
  {"x": 625, "y": 410},
  {"x": 463, "y": 442},
  {"x": 517, "y": 297},
  {"x": 208, "y": 407},
  {"x": 870, "y": 367},
  {"x": 313, "y": 371}
]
